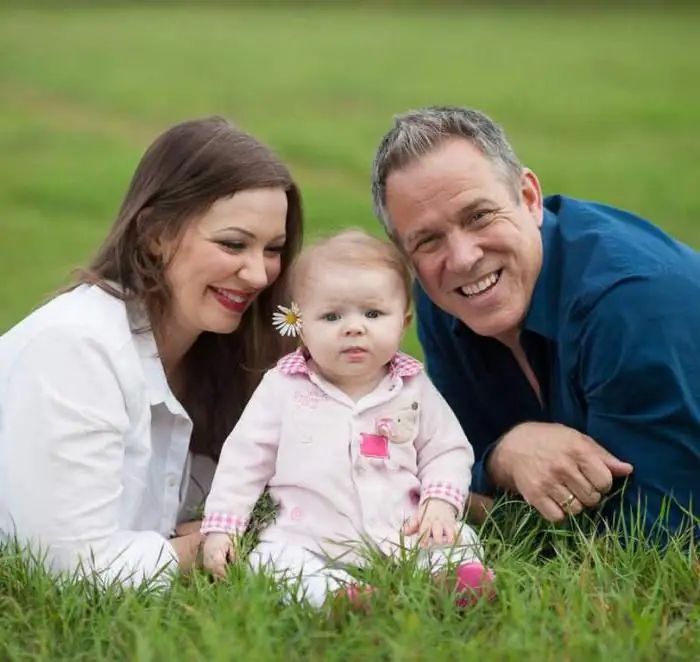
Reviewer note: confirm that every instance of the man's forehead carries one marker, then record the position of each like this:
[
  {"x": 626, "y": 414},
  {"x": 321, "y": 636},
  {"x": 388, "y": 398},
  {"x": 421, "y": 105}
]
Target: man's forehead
[{"x": 426, "y": 192}]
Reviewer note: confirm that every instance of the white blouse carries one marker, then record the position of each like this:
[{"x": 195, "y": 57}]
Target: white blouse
[{"x": 94, "y": 465}]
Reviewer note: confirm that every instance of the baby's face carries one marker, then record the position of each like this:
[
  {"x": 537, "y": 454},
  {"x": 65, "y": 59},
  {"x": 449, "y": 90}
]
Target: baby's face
[{"x": 353, "y": 319}]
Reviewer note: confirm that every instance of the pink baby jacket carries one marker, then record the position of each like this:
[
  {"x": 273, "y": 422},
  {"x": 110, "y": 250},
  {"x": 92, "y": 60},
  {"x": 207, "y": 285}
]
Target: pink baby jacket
[{"x": 341, "y": 471}]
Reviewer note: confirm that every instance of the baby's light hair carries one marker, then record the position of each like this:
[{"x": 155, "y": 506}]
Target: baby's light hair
[{"x": 352, "y": 247}]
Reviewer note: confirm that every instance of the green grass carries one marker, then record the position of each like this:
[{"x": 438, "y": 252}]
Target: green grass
[{"x": 601, "y": 105}]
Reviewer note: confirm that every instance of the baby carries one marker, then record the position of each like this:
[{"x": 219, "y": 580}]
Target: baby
[{"x": 349, "y": 434}]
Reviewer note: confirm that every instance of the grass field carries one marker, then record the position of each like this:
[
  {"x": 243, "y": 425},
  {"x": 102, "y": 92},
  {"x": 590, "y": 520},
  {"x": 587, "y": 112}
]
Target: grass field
[{"x": 601, "y": 105}]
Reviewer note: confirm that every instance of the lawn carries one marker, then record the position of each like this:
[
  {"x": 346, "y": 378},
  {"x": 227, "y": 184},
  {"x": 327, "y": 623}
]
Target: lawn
[{"x": 600, "y": 105}]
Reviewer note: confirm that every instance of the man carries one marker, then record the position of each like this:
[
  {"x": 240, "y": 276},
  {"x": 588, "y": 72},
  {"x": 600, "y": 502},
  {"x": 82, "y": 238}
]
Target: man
[{"x": 564, "y": 334}]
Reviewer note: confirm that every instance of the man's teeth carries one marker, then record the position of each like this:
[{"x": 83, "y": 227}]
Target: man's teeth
[
  {"x": 236, "y": 298},
  {"x": 481, "y": 286}
]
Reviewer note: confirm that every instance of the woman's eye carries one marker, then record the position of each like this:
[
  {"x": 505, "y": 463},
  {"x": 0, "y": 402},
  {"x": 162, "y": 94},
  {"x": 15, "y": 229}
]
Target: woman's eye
[
  {"x": 277, "y": 250},
  {"x": 233, "y": 245}
]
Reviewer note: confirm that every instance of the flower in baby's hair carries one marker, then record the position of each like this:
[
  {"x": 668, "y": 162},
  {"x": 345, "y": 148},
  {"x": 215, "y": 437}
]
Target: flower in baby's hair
[{"x": 288, "y": 320}]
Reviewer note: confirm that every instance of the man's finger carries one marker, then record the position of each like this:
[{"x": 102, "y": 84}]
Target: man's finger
[
  {"x": 583, "y": 489},
  {"x": 549, "y": 509},
  {"x": 597, "y": 473},
  {"x": 616, "y": 466},
  {"x": 567, "y": 501}
]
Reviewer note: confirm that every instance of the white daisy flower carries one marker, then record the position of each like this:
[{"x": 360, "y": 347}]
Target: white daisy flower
[{"x": 288, "y": 321}]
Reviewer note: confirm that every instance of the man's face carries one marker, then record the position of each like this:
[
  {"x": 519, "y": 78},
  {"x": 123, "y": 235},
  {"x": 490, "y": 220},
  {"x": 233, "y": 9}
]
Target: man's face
[{"x": 473, "y": 238}]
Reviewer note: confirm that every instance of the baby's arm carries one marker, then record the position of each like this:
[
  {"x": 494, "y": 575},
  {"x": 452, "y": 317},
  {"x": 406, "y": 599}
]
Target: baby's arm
[
  {"x": 445, "y": 461},
  {"x": 246, "y": 465}
]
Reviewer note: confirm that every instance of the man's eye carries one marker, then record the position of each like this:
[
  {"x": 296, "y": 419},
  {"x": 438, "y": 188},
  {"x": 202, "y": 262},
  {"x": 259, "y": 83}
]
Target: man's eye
[
  {"x": 479, "y": 215},
  {"x": 426, "y": 243}
]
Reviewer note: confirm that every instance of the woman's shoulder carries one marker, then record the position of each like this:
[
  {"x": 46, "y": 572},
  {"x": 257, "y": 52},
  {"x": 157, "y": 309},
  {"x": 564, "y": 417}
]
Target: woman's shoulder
[{"x": 86, "y": 313}]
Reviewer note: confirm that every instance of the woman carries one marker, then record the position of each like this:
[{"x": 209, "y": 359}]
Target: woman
[{"x": 110, "y": 389}]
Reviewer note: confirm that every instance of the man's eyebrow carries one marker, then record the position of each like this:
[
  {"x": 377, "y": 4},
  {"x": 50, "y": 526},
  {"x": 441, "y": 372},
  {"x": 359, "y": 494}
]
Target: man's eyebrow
[
  {"x": 468, "y": 210},
  {"x": 464, "y": 213},
  {"x": 418, "y": 234}
]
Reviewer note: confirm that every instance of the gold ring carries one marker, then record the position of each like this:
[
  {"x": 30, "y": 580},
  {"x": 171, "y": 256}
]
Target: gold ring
[{"x": 568, "y": 501}]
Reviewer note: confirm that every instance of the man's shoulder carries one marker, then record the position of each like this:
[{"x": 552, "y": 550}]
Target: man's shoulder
[
  {"x": 604, "y": 247},
  {"x": 616, "y": 238}
]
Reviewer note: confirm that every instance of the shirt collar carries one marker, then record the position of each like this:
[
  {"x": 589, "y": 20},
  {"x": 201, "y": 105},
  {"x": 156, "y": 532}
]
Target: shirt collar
[
  {"x": 147, "y": 350},
  {"x": 296, "y": 363},
  {"x": 542, "y": 316}
]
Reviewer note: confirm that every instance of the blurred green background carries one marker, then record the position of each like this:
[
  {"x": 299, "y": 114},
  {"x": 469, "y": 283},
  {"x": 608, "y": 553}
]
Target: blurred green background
[{"x": 601, "y": 104}]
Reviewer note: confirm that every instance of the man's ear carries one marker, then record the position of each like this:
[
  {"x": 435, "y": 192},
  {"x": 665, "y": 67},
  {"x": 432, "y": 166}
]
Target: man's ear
[{"x": 531, "y": 192}]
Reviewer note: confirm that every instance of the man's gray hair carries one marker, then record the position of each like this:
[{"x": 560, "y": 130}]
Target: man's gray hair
[{"x": 418, "y": 132}]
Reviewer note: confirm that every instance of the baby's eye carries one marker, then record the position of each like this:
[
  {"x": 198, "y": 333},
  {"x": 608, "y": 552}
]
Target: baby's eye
[
  {"x": 373, "y": 314},
  {"x": 331, "y": 317}
]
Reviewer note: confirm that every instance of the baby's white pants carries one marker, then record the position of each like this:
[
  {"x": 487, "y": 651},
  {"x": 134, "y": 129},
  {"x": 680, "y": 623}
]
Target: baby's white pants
[{"x": 311, "y": 576}]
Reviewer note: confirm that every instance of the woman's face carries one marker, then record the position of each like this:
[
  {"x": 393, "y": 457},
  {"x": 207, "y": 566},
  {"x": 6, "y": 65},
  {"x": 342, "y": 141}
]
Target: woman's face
[{"x": 224, "y": 259}]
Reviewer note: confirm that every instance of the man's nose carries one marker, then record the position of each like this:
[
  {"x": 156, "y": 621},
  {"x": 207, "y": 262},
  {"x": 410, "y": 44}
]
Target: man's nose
[{"x": 464, "y": 250}]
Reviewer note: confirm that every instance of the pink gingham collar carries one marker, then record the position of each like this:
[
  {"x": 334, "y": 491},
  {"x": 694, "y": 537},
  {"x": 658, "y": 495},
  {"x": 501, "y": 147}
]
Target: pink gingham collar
[{"x": 296, "y": 363}]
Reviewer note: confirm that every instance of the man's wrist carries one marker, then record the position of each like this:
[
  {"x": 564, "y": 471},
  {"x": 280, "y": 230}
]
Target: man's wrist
[
  {"x": 491, "y": 465},
  {"x": 495, "y": 469}
]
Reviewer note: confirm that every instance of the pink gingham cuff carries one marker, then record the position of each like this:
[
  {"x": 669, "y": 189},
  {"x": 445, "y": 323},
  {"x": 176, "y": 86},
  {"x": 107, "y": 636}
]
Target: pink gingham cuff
[
  {"x": 445, "y": 492},
  {"x": 223, "y": 523}
]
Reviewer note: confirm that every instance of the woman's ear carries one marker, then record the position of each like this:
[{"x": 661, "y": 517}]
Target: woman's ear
[{"x": 159, "y": 245}]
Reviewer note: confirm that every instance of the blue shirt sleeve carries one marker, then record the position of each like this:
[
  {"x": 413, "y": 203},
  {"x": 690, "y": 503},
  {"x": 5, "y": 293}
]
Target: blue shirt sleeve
[
  {"x": 640, "y": 376},
  {"x": 444, "y": 367}
]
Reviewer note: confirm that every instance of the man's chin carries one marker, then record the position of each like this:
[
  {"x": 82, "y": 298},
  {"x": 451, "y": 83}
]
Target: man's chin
[{"x": 497, "y": 325}]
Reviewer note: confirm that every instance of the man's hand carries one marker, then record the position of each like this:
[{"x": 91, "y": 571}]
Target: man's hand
[
  {"x": 436, "y": 524},
  {"x": 217, "y": 552},
  {"x": 554, "y": 468}
]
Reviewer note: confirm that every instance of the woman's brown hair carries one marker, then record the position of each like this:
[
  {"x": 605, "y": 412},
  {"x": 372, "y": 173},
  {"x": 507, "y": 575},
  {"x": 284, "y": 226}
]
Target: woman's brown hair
[{"x": 186, "y": 169}]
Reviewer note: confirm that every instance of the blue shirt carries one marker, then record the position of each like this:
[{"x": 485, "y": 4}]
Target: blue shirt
[{"x": 613, "y": 336}]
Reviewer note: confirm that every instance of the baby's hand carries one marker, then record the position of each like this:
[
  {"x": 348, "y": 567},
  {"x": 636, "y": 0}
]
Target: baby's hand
[
  {"x": 438, "y": 524},
  {"x": 216, "y": 553}
]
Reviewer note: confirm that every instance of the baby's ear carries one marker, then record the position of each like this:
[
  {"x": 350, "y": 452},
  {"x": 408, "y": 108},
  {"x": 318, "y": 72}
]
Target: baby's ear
[{"x": 408, "y": 318}]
